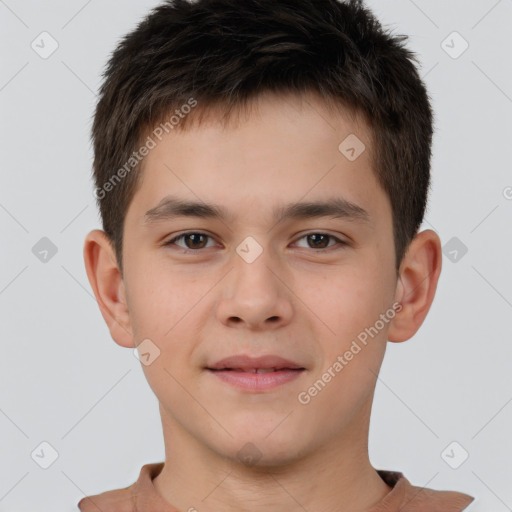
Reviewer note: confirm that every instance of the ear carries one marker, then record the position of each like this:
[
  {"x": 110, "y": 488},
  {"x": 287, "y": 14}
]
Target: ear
[
  {"x": 417, "y": 283},
  {"x": 108, "y": 286}
]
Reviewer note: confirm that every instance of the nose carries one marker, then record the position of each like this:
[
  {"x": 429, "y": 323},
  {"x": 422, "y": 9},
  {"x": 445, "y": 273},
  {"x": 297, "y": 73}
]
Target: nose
[{"x": 256, "y": 295}]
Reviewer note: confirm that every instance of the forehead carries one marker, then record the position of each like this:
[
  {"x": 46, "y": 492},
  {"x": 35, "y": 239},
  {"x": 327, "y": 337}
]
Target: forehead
[{"x": 281, "y": 149}]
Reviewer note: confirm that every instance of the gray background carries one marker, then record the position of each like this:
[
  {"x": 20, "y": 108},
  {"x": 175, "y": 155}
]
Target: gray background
[{"x": 65, "y": 381}]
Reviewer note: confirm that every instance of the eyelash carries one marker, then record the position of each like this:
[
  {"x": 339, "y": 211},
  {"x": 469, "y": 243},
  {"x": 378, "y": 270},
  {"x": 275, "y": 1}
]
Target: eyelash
[{"x": 187, "y": 251}]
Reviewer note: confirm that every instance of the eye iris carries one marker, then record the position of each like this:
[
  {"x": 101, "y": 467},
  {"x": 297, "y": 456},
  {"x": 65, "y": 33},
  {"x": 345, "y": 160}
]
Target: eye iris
[
  {"x": 195, "y": 237},
  {"x": 316, "y": 237}
]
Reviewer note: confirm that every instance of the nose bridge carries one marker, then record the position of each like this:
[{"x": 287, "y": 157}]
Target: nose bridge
[
  {"x": 252, "y": 276},
  {"x": 254, "y": 293}
]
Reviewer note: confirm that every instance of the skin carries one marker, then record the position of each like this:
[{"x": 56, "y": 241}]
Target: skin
[{"x": 296, "y": 300}]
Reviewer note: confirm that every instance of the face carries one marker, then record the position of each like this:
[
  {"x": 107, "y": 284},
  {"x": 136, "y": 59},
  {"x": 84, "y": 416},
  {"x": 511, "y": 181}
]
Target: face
[{"x": 262, "y": 279}]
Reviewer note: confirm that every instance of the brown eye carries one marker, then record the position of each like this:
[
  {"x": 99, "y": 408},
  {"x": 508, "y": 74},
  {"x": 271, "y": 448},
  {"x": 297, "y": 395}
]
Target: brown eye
[
  {"x": 318, "y": 241},
  {"x": 193, "y": 241},
  {"x": 321, "y": 241},
  {"x": 197, "y": 241}
]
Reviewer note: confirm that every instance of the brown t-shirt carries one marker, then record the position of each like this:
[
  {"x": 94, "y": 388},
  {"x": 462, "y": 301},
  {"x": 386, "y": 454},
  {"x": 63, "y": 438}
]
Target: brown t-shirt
[{"x": 141, "y": 496}]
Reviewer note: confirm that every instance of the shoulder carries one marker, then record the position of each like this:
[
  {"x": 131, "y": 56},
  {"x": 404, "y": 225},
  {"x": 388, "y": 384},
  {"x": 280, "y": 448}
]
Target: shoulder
[
  {"x": 412, "y": 498},
  {"x": 128, "y": 498},
  {"x": 118, "y": 500},
  {"x": 475, "y": 506}
]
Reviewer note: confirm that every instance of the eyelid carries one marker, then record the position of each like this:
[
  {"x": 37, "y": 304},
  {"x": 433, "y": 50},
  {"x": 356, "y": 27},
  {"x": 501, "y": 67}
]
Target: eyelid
[
  {"x": 340, "y": 242},
  {"x": 182, "y": 235}
]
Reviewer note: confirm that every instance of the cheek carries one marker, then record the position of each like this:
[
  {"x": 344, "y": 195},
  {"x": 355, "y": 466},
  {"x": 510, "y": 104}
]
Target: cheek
[
  {"x": 169, "y": 309},
  {"x": 165, "y": 308},
  {"x": 160, "y": 299},
  {"x": 350, "y": 307},
  {"x": 344, "y": 301}
]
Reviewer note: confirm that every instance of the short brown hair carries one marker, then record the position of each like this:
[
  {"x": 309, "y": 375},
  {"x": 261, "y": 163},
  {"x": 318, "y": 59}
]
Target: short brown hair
[{"x": 224, "y": 53}]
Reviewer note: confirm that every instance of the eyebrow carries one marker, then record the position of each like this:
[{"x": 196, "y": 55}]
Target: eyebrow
[{"x": 171, "y": 207}]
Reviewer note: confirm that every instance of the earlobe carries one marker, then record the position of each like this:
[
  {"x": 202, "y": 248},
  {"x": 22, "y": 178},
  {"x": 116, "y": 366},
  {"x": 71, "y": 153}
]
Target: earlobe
[
  {"x": 416, "y": 285},
  {"x": 108, "y": 286}
]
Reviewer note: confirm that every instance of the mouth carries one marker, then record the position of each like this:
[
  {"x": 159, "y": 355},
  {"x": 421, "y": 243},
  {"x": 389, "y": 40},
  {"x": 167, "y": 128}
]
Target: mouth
[
  {"x": 255, "y": 370},
  {"x": 255, "y": 374},
  {"x": 262, "y": 364}
]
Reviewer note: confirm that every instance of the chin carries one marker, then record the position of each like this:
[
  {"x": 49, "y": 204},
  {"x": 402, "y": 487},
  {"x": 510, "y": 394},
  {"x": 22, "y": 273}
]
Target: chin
[{"x": 260, "y": 451}]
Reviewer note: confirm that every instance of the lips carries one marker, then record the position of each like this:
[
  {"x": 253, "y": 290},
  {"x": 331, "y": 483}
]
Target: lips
[
  {"x": 262, "y": 364},
  {"x": 263, "y": 374}
]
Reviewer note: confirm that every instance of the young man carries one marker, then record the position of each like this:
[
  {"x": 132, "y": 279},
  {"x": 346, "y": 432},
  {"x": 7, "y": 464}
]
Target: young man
[{"x": 262, "y": 169}]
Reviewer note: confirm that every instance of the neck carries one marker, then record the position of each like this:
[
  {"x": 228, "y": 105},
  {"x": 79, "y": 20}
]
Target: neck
[{"x": 336, "y": 476}]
